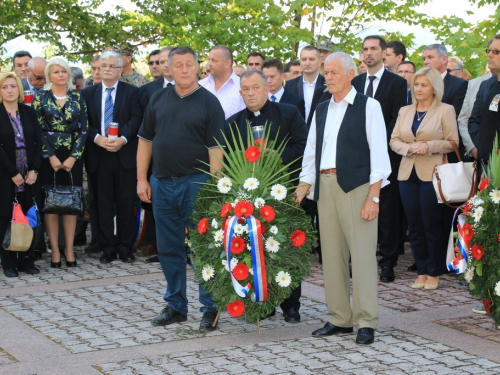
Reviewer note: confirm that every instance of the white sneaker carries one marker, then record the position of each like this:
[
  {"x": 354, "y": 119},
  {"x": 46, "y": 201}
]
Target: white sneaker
[{"x": 479, "y": 309}]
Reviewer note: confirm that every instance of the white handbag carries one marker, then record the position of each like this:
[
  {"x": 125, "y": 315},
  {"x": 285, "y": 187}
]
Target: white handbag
[{"x": 455, "y": 182}]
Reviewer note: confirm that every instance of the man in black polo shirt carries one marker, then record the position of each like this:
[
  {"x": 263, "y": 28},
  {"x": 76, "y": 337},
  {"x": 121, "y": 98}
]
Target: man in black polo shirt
[{"x": 180, "y": 122}]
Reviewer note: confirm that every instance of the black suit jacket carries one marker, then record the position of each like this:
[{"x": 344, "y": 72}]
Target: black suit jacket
[
  {"x": 391, "y": 94},
  {"x": 284, "y": 118},
  {"x": 289, "y": 98},
  {"x": 454, "y": 92},
  {"x": 126, "y": 112},
  {"x": 296, "y": 87},
  {"x": 146, "y": 91}
]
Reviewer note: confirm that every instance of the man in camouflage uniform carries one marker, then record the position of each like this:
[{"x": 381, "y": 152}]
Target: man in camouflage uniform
[
  {"x": 325, "y": 47},
  {"x": 129, "y": 75}
]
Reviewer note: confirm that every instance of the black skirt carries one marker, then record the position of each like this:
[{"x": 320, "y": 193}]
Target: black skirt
[{"x": 62, "y": 177}]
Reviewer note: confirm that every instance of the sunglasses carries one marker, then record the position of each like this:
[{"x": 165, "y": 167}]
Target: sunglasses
[
  {"x": 38, "y": 78},
  {"x": 151, "y": 63},
  {"x": 493, "y": 51}
]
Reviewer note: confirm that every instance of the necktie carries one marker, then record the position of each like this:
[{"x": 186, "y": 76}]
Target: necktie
[
  {"x": 273, "y": 98},
  {"x": 408, "y": 97},
  {"x": 108, "y": 110},
  {"x": 369, "y": 90},
  {"x": 168, "y": 84}
]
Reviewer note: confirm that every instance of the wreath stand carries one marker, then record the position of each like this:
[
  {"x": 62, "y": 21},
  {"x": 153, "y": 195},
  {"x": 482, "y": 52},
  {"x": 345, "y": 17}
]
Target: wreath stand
[{"x": 217, "y": 319}]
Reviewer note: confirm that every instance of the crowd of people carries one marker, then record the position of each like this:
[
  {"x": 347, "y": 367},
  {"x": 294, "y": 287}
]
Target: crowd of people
[{"x": 370, "y": 136}]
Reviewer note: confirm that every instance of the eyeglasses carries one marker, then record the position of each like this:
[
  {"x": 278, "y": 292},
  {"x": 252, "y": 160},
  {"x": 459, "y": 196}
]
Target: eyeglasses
[
  {"x": 405, "y": 72},
  {"x": 493, "y": 51},
  {"x": 151, "y": 63},
  {"x": 204, "y": 73},
  {"x": 38, "y": 78},
  {"x": 455, "y": 70},
  {"x": 111, "y": 66}
]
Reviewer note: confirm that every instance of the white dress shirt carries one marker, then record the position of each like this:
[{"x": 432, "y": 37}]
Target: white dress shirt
[
  {"x": 376, "y": 81},
  {"x": 380, "y": 166},
  {"x": 278, "y": 95},
  {"x": 308, "y": 93},
  {"x": 103, "y": 107},
  {"x": 166, "y": 82},
  {"x": 228, "y": 95}
]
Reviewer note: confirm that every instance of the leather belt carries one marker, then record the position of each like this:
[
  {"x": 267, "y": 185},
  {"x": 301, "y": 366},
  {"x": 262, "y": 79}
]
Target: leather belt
[{"x": 329, "y": 171}]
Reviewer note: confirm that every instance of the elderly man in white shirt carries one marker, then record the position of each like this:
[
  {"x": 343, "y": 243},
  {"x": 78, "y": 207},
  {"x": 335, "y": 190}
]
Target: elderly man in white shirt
[
  {"x": 347, "y": 162},
  {"x": 223, "y": 82}
]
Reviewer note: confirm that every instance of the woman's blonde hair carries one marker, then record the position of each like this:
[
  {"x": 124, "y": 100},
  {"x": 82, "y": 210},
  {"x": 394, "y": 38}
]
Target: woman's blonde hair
[
  {"x": 58, "y": 61},
  {"x": 4, "y": 76},
  {"x": 436, "y": 82}
]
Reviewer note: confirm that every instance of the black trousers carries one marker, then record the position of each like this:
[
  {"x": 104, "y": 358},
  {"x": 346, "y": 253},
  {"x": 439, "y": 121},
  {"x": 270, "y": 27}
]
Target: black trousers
[{"x": 115, "y": 191}]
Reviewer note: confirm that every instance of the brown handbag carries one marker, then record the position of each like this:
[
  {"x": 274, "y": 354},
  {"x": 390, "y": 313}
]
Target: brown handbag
[{"x": 19, "y": 234}]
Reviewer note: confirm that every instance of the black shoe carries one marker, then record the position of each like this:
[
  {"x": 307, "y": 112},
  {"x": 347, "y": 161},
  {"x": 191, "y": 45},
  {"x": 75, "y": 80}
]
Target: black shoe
[
  {"x": 330, "y": 329},
  {"x": 55, "y": 264},
  {"x": 292, "y": 316},
  {"x": 107, "y": 258},
  {"x": 413, "y": 267},
  {"x": 365, "y": 336},
  {"x": 168, "y": 316},
  {"x": 153, "y": 259},
  {"x": 127, "y": 258},
  {"x": 93, "y": 247},
  {"x": 71, "y": 264},
  {"x": 387, "y": 275},
  {"x": 29, "y": 270},
  {"x": 207, "y": 322},
  {"x": 11, "y": 272}
]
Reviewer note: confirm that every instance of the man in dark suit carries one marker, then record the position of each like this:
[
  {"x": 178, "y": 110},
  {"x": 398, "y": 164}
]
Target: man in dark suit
[
  {"x": 148, "y": 90},
  {"x": 36, "y": 74},
  {"x": 390, "y": 91},
  {"x": 311, "y": 85},
  {"x": 284, "y": 118},
  {"x": 111, "y": 161},
  {"x": 406, "y": 69},
  {"x": 273, "y": 69}
]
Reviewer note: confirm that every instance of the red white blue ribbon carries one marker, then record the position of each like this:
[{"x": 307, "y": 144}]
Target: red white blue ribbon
[
  {"x": 228, "y": 237},
  {"x": 258, "y": 262},
  {"x": 460, "y": 264}
]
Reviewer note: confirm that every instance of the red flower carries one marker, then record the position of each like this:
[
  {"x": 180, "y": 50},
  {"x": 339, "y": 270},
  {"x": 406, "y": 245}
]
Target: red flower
[
  {"x": 477, "y": 251},
  {"x": 267, "y": 212},
  {"x": 235, "y": 309},
  {"x": 240, "y": 272},
  {"x": 298, "y": 238},
  {"x": 225, "y": 210},
  {"x": 252, "y": 154},
  {"x": 498, "y": 237},
  {"x": 203, "y": 225},
  {"x": 468, "y": 232},
  {"x": 484, "y": 184},
  {"x": 237, "y": 245},
  {"x": 487, "y": 305},
  {"x": 466, "y": 209},
  {"x": 243, "y": 208},
  {"x": 264, "y": 230}
]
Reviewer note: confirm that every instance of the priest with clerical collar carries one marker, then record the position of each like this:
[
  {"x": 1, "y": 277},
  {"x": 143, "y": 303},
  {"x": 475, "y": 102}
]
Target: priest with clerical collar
[{"x": 284, "y": 118}]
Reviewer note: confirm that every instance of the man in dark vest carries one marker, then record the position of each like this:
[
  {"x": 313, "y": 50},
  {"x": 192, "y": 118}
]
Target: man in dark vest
[{"x": 347, "y": 162}]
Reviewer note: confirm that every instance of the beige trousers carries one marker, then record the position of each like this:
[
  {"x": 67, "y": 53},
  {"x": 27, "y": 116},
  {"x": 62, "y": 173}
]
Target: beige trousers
[{"x": 344, "y": 233}]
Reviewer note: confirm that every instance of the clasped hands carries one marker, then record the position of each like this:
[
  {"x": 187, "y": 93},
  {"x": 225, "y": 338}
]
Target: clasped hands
[
  {"x": 111, "y": 145},
  {"x": 30, "y": 178},
  {"x": 418, "y": 148},
  {"x": 56, "y": 164}
]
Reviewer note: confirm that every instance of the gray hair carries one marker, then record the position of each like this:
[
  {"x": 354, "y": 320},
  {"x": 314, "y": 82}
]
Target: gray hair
[
  {"x": 76, "y": 74},
  {"x": 108, "y": 54},
  {"x": 459, "y": 63},
  {"x": 32, "y": 62},
  {"x": 251, "y": 72},
  {"x": 57, "y": 61},
  {"x": 166, "y": 49},
  {"x": 181, "y": 51},
  {"x": 440, "y": 49},
  {"x": 346, "y": 61},
  {"x": 95, "y": 58}
]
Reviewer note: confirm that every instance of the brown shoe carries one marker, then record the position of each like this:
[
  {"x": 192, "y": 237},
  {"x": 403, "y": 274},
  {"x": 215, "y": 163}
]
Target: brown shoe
[{"x": 148, "y": 251}]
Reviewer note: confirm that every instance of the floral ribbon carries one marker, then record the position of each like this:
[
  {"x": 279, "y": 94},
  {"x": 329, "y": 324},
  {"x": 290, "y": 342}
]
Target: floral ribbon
[
  {"x": 228, "y": 237},
  {"x": 459, "y": 263},
  {"x": 258, "y": 262}
]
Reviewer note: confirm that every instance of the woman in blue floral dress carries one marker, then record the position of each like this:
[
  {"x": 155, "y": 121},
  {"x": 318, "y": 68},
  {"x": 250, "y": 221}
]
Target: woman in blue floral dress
[{"x": 62, "y": 114}]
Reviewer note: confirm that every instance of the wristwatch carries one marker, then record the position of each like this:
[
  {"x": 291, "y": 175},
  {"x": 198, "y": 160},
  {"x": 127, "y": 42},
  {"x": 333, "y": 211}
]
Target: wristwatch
[{"x": 375, "y": 199}]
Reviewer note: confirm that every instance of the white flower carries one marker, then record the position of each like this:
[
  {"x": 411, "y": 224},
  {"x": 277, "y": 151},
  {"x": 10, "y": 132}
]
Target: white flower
[
  {"x": 238, "y": 229},
  {"x": 278, "y": 192},
  {"x": 274, "y": 229},
  {"x": 251, "y": 183},
  {"x": 250, "y": 270},
  {"x": 469, "y": 274},
  {"x": 224, "y": 185},
  {"x": 259, "y": 202},
  {"x": 215, "y": 224},
  {"x": 283, "y": 279},
  {"x": 234, "y": 262},
  {"x": 497, "y": 289},
  {"x": 245, "y": 228},
  {"x": 207, "y": 272},
  {"x": 476, "y": 201},
  {"x": 249, "y": 246},
  {"x": 219, "y": 236},
  {"x": 244, "y": 196},
  {"x": 495, "y": 196},
  {"x": 272, "y": 245},
  {"x": 235, "y": 202},
  {"x": 477, "y": 214},
  {"x": 217, "y": 244}
]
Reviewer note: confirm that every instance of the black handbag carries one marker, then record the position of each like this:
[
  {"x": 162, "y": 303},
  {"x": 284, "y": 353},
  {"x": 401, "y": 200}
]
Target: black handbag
[{"x": 63, "y": 199}]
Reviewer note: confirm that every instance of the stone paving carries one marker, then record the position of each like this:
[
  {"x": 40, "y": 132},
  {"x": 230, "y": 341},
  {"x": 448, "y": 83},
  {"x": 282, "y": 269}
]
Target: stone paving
[
  {"x": 477, "y": 325},
  {"x": 332, "y": 355},
  {"x": 6, "y": 357}
]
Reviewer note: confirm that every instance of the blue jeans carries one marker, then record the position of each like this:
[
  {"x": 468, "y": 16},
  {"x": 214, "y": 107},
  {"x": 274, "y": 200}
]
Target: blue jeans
[
  {"x": 173, "y": 205},
  {"x": 423, "y": 213}
]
